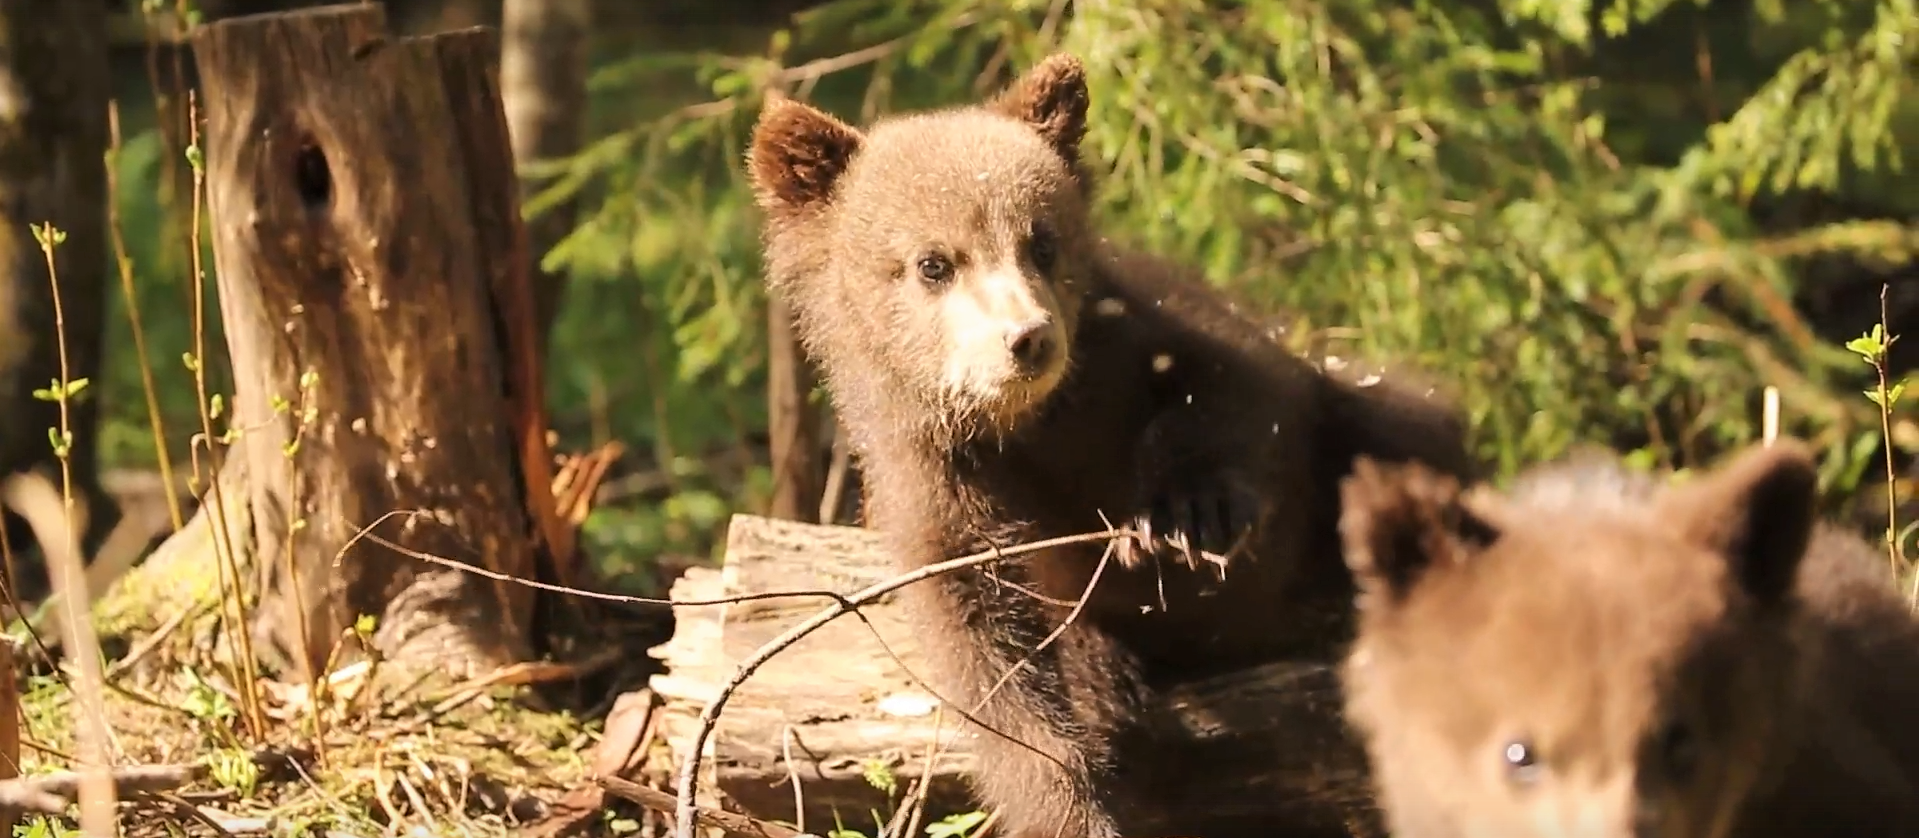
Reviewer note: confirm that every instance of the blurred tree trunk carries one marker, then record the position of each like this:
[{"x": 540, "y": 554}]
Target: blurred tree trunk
[
  {"x": 543, "y": 65},
  {"x": 793, "y": 421},
  {"x": 54, "y": 85}
]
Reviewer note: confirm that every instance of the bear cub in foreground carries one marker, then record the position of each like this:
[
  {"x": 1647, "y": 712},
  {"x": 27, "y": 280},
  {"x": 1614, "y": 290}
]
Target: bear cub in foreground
[
  {"x": 1005, "y": 375},
  {"x": 1599, "y": 655}
]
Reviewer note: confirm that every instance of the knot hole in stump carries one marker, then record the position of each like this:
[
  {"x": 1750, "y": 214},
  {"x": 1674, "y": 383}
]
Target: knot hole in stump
[{"x": 312, "y": 177}]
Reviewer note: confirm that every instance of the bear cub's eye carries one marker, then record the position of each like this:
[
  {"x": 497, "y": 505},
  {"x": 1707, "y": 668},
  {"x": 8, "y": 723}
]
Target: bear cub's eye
[
  {"x": 1678, "y": 748},
  {"x": 935, "y": 269},
  {"x": 1043, "y": 248},
  {"x": 1522, "y": 761}
]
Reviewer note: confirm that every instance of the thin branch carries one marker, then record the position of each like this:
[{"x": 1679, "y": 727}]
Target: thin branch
[{"x": 660, "y": 801}]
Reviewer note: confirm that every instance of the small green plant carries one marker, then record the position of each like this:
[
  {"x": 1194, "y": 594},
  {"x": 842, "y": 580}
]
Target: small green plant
[
  {"x": 956, "y": 826},
  {"x": 40, "y": 826},
  {"x": 1872, "y": 347},
  {"x": 620, "y": 825},
  {"x": 234, "y": 769},
  {"x": 205, "y": 703},
  {"x": 879, "y": 775}
]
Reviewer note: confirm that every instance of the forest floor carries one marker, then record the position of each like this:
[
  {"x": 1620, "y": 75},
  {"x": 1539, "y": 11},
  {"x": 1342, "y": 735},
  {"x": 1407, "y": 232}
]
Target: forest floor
[{"x": 382, "y": 753}]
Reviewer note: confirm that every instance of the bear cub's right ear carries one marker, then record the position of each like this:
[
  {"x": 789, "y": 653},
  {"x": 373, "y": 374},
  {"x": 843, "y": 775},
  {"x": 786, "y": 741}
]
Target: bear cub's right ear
[
  {"x": 798, "y": 154},
  {"x": 1397, "y": 520}
]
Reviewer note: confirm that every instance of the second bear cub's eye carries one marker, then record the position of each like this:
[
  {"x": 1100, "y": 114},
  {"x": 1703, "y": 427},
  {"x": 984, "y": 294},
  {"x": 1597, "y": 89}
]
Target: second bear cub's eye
[
  {"x": 935, "y": 268},
  {"x": 1043, "y": 249},
  {"x": 1678, "y": 747},
  {"x": 1522, "y": 761}
]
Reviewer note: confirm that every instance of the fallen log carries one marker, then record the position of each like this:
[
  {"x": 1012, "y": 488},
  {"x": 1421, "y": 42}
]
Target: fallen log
[{"x": 828, "y": 709}]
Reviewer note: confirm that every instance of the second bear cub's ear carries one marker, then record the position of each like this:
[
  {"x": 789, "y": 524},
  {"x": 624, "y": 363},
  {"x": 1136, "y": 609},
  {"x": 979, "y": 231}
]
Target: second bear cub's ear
[
  {"x": 1758, "y": 510},
  {"x": 1051, "y": 98},
  {"x": 798, "y": 155},
  {"x": 1398, "y": 520}
]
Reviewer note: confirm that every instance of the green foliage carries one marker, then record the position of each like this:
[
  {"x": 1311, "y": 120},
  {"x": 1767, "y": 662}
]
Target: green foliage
[
  {"x": 1549, "y": 205},
  {"x": 1429, "y": 182}
]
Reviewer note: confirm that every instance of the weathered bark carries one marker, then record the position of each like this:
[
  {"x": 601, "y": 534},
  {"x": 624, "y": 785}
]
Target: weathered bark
[
  {"x": 360, "y": 234},
  {"x": 839, "y": 697},
  {"x": 793, "y": 421},
  {"x": 53, "y": 140},
  {"x": 543, "y": 70}
]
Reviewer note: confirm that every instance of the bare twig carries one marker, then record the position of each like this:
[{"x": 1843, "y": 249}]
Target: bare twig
[
  {"x": 51, "y": 794},
  {"x": 1885, "y": 438},
  {"x": 1769, "y": 417},
  {"x": 62, "y": 549},
  {"x": 660, "y": 801},
  {"x": 367, "y": 533},
  {"x": 836, "y": 476},
  {"x": 125, "y": 264},
  {"x": 793, "y": 776}
]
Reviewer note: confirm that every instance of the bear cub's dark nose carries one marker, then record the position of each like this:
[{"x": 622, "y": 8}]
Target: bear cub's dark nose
[{"x": 1032, "y": 344}]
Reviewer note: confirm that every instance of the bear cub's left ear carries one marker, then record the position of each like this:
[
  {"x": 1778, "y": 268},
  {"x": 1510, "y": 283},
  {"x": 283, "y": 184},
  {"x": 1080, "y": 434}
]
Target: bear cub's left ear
[
  {"x": 798, "y": 155},
  {"x": 1052, "y": 98},
  {"x": 1397, "y": 520}
]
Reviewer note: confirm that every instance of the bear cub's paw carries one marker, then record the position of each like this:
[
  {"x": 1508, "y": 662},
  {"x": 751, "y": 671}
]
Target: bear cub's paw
[{"x": 1196, "y": 503}]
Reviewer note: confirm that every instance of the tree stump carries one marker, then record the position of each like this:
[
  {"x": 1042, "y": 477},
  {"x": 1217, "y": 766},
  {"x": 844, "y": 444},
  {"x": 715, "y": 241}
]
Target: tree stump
[
  {"x": 372, "y": 276},
  {"x": 843, "y": 697}
]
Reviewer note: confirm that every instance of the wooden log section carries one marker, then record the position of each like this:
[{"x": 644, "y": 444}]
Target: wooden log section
[
  {"x": 361, "y": 195},
  {"x": 842, "y": 697}
]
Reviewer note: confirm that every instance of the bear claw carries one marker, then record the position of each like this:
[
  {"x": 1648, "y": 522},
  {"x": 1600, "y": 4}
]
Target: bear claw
[{"x": 1194, "y": 527}]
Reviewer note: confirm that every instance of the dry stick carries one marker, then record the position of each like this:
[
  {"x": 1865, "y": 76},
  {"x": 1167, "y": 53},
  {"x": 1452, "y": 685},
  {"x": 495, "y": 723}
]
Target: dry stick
[
  {"x": 366, "y": 532},
  {"x": 660, "y": 801},
  {"x": 152, "y": 641},
  {"x": 1769, "y": 417},
  {"x": 69, "y": 579},
  {"x": 709, "y": 715},
  {"x": 125, "y": 263},
  {"x": 238, "y": 635},
  {"x": 32, "y": 491},
  {"x": 293, "y": 570},
  {"x": 793, "y": 776},
  {"x": 1885, "y": 438},
  {"x": 50, "y": 794},
  {"x": 906, "y": 820},
  {"x": 20, "y": 610},
  {"x": 835, "y": 475}
]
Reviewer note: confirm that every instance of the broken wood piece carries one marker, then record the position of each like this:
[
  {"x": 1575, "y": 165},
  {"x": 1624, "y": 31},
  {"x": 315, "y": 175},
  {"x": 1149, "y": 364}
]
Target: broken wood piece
[
  {"x": 735, "y": 826},
  {"x": 845, "y": 697},
  {"x": 50, "y": 794}
]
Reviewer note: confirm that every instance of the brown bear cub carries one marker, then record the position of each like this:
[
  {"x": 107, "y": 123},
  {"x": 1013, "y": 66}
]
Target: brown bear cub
[
  {"x": 1596, "y": 654},
  {"x": 1006, "y": 376}
]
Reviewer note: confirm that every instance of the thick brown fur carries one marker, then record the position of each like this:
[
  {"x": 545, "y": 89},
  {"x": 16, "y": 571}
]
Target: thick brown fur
[
  {"x": 1006, "y": 375},
  {"x": 1599, "y": 654}
]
